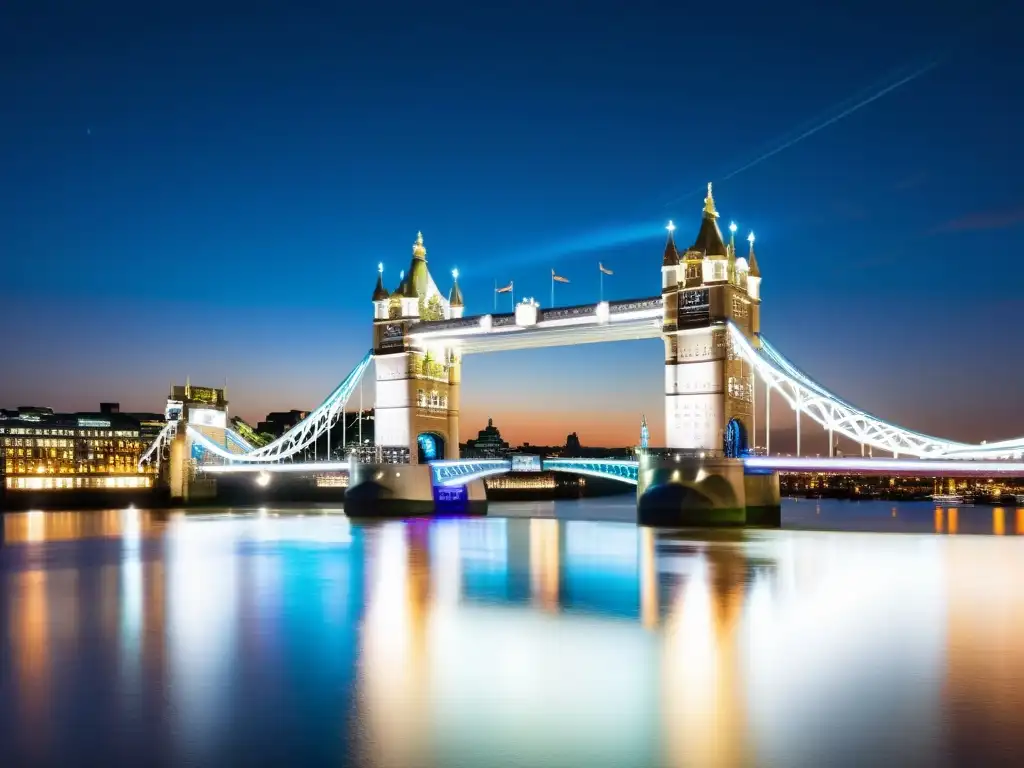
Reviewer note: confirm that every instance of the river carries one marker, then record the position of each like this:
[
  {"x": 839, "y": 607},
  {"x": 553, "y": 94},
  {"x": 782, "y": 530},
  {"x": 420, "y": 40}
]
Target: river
[{"x": 556, "y": 634}]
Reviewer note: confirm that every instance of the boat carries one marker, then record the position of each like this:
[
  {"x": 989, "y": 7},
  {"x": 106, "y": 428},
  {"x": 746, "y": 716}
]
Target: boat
[{"x": 952, "y": 499}]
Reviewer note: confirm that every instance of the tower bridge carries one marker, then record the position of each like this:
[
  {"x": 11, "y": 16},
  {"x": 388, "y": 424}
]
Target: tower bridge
[{"x": 707, "y": 314}]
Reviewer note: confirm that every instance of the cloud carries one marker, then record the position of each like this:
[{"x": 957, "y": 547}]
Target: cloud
[{"x": 984, "y": 220}]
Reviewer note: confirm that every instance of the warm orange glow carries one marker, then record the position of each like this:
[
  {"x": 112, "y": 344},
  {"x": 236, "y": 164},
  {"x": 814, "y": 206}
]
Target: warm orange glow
[
  {"x": 999, "y": 521},
  {"x": 605, "y": 428},
  {"x": 545, "y": 563},
  {"x": 648, "y": 579}
]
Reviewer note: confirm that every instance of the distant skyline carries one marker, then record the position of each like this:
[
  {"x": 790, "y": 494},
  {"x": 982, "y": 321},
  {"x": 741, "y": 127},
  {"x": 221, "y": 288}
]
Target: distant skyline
[{"x": 196, "y": 192}]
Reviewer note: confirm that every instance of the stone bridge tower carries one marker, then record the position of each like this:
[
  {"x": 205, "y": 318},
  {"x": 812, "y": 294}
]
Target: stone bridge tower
[
  {"x": 709, "y": 389},
  {"x": 417, "y": 393}
]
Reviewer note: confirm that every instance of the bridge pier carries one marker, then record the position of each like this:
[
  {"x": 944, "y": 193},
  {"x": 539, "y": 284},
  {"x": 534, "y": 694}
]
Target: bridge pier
[
  {"x": 693, "y": 491},
  {"x": 409, "y": 490}
]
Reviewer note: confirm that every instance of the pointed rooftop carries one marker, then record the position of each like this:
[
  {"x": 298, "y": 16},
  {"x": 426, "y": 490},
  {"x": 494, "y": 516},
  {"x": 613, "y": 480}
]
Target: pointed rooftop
[
  {"x": 417, "y": 277},
  {"x": 380, "y": 293},
  {"x": 671, "y": 257},
  {"x": 709, "y": 239},
  {"x": 455, "y": 297},
  {"x": 752, "y": 259}
]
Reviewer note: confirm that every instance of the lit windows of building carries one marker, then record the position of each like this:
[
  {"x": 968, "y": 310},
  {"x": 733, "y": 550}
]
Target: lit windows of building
[{"x": 42, "y": 450}]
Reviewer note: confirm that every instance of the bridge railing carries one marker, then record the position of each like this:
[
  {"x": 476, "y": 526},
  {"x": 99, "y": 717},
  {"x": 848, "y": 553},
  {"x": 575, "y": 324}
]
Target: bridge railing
[
  {"x": 380, "y": 454},
  {"x": 682, "y": 453}
]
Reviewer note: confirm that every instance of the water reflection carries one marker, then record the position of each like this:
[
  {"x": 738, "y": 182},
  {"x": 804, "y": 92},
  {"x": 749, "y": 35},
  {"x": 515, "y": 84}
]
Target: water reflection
[{"x": 266, "y": 638}]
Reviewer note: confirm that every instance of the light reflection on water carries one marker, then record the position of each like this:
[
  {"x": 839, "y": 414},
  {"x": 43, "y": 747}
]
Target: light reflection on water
[{"x": 286, "y": 639}]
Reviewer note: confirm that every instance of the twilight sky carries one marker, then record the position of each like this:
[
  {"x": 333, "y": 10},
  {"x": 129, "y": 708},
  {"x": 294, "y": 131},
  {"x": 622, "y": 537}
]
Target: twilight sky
[{"x": 205, "y": 189}]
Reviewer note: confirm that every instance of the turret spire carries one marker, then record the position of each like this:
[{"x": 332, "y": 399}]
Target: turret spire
[
  {"x": 418, "y": 250},
  {"x": 709, "y": 239},
  {"x": 455, "y": 297},
  {"x": 380, "y": 293},
  {"x": 752, "y": 259},
  {"x": 671, "y": 257},
  {"x": 709, "y": 203}
]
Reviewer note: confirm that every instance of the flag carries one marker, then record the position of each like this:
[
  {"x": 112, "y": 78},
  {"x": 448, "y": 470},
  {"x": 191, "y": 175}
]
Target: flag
[
  {"x": 604, "y": 269},
  {"x": 506, "y": 289},
  {"x": 558, "y": 278}
]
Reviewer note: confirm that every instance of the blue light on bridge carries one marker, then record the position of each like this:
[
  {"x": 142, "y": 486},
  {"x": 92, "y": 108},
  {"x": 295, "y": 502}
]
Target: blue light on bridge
[
  {"x": 429, "y": 446},
  {"x": 622, "y": 471}
]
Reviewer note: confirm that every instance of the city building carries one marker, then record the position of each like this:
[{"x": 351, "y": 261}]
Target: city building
[
  {"x": 150, "y": 424},
  {"x": 279, "y": 422},
  {"x": 45, "y": 451},
  {"x": 487, "y": 445}
]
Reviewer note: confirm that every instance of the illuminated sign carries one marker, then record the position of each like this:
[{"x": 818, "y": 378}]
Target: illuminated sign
[
  {"x": 450, "y": 499},
  {"x": 694, "y": 308},
  {"x": 207, "y": 417},
  {"x": 94, "y": 423},
  {"x": 173, "y": 410},
  {"x": 204, "y": 395},
  {"x": 525, "y": 463},
  {"x": 394, "y": 335}
]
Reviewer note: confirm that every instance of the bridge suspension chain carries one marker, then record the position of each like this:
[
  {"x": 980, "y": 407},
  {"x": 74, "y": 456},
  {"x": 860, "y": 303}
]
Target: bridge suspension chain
[{"x": 833, "y": 413}]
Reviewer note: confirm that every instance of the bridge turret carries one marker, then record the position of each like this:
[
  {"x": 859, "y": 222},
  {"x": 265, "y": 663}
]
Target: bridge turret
[
  {"x": 754, "y": 275},
  {"x": 669, "y": 280},
  {"x": 707, "y": 387},
  {"x": 455, "y": 303},
  {"x": 709, "y": 246},
  {"x": 754, "y": 288},
  {"x": 381, "y": 297}
]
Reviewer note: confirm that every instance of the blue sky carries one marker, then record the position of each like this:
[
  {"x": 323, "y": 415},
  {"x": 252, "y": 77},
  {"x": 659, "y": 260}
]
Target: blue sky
[{"x": 203, "y": 191}]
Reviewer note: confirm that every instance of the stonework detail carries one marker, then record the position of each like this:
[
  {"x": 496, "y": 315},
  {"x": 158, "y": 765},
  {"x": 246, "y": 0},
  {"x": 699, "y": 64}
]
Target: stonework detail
[
  {"x": 704, "y": 290},
  {"x": 417, "y": 392}
]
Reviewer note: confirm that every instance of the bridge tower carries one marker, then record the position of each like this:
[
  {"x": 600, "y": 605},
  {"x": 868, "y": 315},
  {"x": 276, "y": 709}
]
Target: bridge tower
[
  {"x": 708, "y": 386},
  {"x": 417, "y": 389}
]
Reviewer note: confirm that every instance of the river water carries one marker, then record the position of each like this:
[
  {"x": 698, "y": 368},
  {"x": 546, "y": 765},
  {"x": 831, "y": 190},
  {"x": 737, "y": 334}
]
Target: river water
[{"x": 553, "y": 634}]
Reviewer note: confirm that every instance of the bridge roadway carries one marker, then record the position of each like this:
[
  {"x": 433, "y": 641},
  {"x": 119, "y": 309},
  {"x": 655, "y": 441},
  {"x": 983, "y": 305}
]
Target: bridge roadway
[
  {"x": 561, "y": 326},
  {"x": 460, "y": 471}
]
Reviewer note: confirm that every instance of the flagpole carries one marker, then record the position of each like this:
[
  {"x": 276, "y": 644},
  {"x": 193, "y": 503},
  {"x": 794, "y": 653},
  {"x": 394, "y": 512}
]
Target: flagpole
[
  {"x": 495, "y": 296},
  {"x": 513, "y": 292},
  {"x": 601, "y": 273},
  {"x": 552, "y": 289}
]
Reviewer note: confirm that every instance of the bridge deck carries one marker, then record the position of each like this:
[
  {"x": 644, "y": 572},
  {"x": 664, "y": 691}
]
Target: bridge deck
[
  {"x": 458, "y": 471},
  {"x": 559, "y": 327}
]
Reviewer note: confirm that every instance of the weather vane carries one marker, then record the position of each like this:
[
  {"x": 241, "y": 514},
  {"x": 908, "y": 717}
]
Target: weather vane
[{"x": 671, "y": 227}]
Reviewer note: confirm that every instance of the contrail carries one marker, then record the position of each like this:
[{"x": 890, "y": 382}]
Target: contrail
[
  {"x": 822, "y": 125},
  {"x": 613, "y": 237},
  {"x": 845, "y": 113},
  {"x": 591, "y": 241}
]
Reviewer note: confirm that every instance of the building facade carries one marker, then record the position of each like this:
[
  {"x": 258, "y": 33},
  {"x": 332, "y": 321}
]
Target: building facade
[{"x": 72, "y": 451}]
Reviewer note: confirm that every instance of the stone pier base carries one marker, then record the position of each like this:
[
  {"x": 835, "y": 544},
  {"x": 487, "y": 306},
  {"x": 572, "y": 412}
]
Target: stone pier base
[
  {"x": 704, "y": 492},
  {"x": 408, "y": 490}
]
